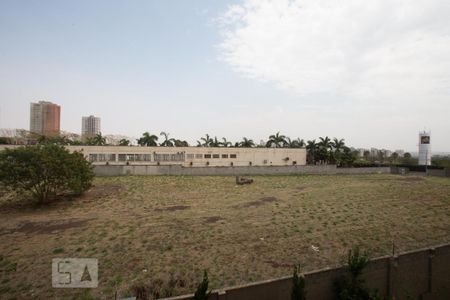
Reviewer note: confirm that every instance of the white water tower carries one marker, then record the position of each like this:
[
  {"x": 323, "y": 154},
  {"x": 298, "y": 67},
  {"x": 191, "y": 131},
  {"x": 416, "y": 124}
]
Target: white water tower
[{"x": 424, "y": 148}]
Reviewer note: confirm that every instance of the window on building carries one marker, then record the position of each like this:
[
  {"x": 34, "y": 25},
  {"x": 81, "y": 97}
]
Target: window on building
[
  {"x": 111, "y": 157},
  {"x": 169, "y": 157},
  {"x": 224, "y": 155},
  {"x": 130, "y": 157},
  {"x": 216, "y": 156},
  {"x": 92, "y": 157},
  {"x": 190, "y": 156},
  {"x": 207, "y": 156},
  {"x": 199, "y": 156},
  {"x": 122, "y": 157},
  {"x": 233, "y": 156}
]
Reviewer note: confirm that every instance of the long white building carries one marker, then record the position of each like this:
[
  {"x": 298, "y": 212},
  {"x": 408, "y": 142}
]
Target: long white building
[{"x": 190, "y": 156}]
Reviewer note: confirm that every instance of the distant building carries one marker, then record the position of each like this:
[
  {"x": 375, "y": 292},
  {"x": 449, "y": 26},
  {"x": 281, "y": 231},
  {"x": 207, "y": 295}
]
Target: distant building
[
  {"x": 45, "y": 118},
  {"x": 424, "y": 148},
  {"x": 90, "y": 127}
]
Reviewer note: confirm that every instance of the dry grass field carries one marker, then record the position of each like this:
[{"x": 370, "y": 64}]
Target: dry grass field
[{"x": 163, "y": 231}]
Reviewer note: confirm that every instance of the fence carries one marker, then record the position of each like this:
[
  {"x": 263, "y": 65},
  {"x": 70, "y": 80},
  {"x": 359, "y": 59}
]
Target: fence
[
  {"x": 114, "y": 170},
  {"x": 422, "y": 274}
]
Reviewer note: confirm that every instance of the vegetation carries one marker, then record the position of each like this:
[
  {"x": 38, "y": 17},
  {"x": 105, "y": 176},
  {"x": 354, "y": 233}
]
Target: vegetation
[
  {"x": 143, "y": 228},
  {"x": 202, "y": 290},
  {"x": 353, "y": 287},
  {"x": 147, "y": 139},
  {"x": 45, "y": 171},
  {"x": 298, "y": 285}
]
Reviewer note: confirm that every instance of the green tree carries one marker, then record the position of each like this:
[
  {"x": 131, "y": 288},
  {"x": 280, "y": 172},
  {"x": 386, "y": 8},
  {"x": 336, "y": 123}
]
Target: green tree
[
  {"x": 124, "y": 142},
  {"x": 205, "y": 141},
  {"x": 45, "y": 171},
  {"x": 246, "y": 143},
  {"x": 298, "y": 285},
  {"x": 226, "y": 143},
  {"x": 311, "y": 149},
  {"x": 97, "y": 140},
  {"x": 147, "y": 139},
  {"x": 202, "y": 290},
  {"x": 180, "y": 143},
  {"x": 168, "y": 142},
  {"x": 323, "y": 152},
  {"x": 276, "y": 140},
  {"x": 297, "y": 143},
  {"x": 215, "y": 142}
]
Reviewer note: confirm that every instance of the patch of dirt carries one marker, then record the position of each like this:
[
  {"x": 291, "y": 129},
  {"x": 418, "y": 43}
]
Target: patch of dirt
[
  {"x": 259, "y": 202},
  {"x": 173, "y": 208},
  {"x": 101, "y": 191},
  {"x": 213, "y": 219},
  {"x": 46, "y": 227}
]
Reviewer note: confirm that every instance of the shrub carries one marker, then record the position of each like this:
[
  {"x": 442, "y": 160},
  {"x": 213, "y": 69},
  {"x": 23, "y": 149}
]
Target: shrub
[
  {"x": 202, "y": 290},
  {"x": 45, "y": 171},
  {"x": 298, "y": 285}
]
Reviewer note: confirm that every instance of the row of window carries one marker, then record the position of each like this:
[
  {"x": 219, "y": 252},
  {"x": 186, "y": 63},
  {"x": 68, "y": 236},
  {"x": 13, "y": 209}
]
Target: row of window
[{"x": 107, "y": 157}]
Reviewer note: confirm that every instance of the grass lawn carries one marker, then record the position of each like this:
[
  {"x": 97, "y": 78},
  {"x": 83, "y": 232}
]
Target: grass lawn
[{"x": 163, "y": 231}]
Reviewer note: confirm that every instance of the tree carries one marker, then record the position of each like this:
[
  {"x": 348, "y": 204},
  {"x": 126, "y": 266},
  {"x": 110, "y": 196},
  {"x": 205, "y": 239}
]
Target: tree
[
  {"x": 246, "y": 143},
  {"x": 297, "y": 143},
  {"x": 226, "y": 143},
  {"x": 394, "y": 157},
  {"x": 207, "y": 140},
  {"x": 323, "y": 152},
  {"x": 276, "y": 140},
  {"x": 124, "y": 142},
  {"x": 298, "y": 285},
  {"x": 147, "y": 139},
  {"x": 97, "y": 140},
  {"x": 215, "y": 142},
  {"x": 45, "y": 171},
  {"x": 167, "y": 142},
  {"x": 337, "y": 145},
  {"x": 180, "y": 143},
  {"x": 311, "y": 148},
  {"x": 202, "y": 290}
]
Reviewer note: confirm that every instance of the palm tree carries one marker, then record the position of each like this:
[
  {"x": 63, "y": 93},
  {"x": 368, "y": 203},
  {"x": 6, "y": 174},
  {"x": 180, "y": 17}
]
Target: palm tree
[
  {"x": 297, "y": 143},
  {"x": 98, "y": 140},
  {"x": 207, "y": 140},
  {"x": 226, "y": 143},
  {"x": 276, "y": 140},
  {"x": 147, "y": 139},
  {"x": 338, "y": 144},
  {"x": 311, "y": 148},
  {"x": 180, "y": 143},
  {"x": 124, "y": 142},
  {"x": 167, "y": 142},
  {"x": 323, "y": 152},
  {"x": 246, "y": 143},
  {"x": 215, "y": 142}
]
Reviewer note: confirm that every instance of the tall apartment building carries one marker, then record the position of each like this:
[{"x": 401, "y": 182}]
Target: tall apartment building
[
  {"x": 90, "y": 126},
  {"x": 45, "y": 118}
]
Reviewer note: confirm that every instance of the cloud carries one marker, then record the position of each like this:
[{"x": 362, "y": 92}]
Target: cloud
[{"x": 394, "y": 52}]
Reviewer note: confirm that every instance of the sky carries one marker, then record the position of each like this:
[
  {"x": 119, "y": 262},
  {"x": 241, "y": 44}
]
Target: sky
[{"x": 372, "y": 72}]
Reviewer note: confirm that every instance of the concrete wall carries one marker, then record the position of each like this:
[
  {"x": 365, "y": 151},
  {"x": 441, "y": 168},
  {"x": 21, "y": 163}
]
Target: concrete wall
[
  {"x": 116, "y": 170},
  {"x": 423, "y": 274},
  {"x": 440, "y": 173}
]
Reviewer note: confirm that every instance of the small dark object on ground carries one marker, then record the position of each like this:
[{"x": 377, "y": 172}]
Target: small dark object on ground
[{"x": 241, "y": 180}]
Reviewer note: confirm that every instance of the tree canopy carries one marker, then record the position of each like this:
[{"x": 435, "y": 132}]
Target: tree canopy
[{"x": 45, "y": 170}]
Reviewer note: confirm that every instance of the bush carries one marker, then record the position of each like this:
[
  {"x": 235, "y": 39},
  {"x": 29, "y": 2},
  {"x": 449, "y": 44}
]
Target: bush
[
  {"x": 298, "y": 285},
  {"x": 202, "y": 290},
  {"x": 45, "y": 170}
]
